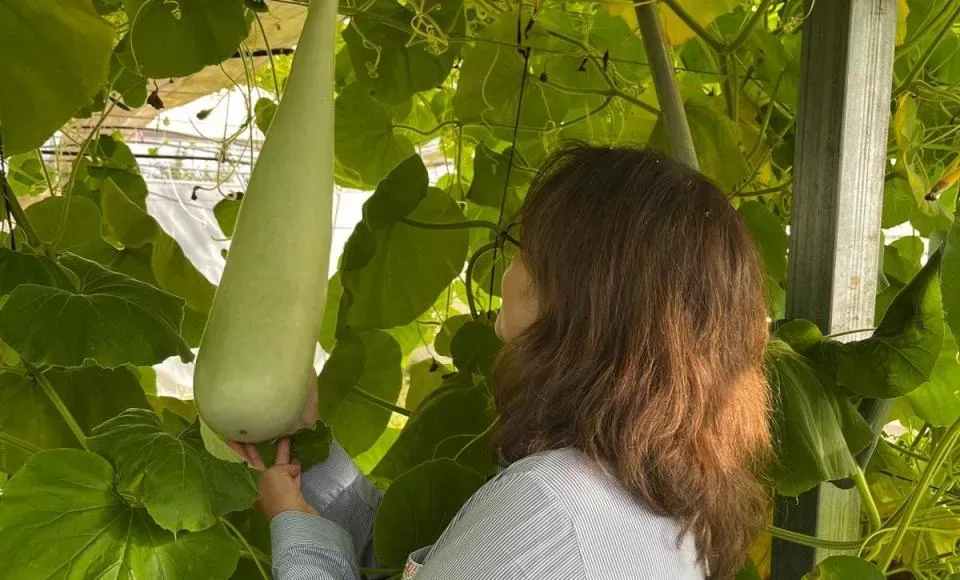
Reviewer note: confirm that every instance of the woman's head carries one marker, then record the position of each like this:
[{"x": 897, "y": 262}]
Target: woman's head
[{"x": 635, "y": 328}]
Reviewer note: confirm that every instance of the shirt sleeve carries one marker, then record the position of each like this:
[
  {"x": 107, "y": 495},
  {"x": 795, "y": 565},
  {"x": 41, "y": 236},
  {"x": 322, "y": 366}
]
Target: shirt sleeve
[
  {"x": 307, "y": 547},
  {"x": 514, "y": 528},
  {"x": 345, "y": 497}
]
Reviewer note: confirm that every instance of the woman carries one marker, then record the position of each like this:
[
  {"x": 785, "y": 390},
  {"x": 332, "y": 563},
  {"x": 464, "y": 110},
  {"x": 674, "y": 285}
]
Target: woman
[{"x": 633, "y": 408}]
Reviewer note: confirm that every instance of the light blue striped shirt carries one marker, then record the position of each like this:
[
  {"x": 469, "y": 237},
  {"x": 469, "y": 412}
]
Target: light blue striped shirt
[{"x": 550, "y": 516}]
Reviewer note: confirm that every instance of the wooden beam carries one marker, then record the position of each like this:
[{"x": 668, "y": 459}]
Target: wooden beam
[{"x": 846, "y": 74}]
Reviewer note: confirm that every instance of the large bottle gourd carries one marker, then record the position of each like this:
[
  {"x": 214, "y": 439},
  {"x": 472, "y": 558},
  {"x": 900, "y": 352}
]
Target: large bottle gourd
[{"x": 256, "y": 355}]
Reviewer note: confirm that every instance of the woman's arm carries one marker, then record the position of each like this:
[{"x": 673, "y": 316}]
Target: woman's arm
[
  {"x": 307, "y": 543},
  {"x": 309, "y": 547},
  {"x": 343, "y": 495}
]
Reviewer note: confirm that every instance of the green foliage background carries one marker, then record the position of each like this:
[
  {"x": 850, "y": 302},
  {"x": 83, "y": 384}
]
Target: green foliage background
[{"x": 93, "y": 292}]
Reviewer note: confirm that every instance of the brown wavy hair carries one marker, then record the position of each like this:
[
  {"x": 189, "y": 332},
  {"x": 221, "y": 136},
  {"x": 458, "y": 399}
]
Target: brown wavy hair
[{"x": 648, "y": 351}]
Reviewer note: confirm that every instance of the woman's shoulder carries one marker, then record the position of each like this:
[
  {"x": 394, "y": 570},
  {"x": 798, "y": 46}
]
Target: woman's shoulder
[{"x": 609, "y": 524}]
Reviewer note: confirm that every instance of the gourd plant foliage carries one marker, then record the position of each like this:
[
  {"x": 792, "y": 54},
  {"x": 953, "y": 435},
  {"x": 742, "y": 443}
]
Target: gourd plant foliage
[{"x": 108, "y": 478}]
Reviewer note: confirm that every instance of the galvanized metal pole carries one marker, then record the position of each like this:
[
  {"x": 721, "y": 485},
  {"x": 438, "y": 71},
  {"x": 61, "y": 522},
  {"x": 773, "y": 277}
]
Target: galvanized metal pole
[{"x": 842, "y": 122}]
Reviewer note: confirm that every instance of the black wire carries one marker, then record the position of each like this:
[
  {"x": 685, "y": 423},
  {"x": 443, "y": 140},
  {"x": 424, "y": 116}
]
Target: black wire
[
  {"x": 4, "y": 191},
  {"x": 525, "y": 51}
]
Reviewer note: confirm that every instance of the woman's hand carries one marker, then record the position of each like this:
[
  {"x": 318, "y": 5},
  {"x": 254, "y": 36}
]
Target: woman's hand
[{"x": 280, "y": 483}]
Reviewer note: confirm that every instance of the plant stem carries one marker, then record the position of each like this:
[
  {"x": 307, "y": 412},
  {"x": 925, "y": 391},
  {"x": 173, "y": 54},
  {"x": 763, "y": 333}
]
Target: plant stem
[
  {"x": 846, "y": 332},
  {"x": 813, "y": 541},
  {"x": 246, "y": 545},
  {"x": 46, "y": 172},
  {"x": 471, "y": 264},
  {"x": 381, "y": 402},
  {"x": 18, "y": 214},
  {"x": 665, "y": 83},
  {"x": 920, "y": 491},
  {"x": 747, "y": 28},
  {"x": 764, "y": 191},
  {"x": 62, "y": 408},
  {"x": 867, "y": 498},
  {"x": 687, "y": 19},
  {"x": 461, "y": 225},
  {"x": 912, "y": 75},
  {"x": 273, "y": 67},
  {"x": 19, "y": 443}
]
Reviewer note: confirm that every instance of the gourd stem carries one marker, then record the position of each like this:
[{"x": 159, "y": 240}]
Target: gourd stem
[{"x": 62, "y": 409}]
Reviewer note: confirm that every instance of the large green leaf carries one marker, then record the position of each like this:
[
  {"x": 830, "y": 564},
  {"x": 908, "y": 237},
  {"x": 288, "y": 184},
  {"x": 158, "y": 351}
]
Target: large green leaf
[
  {"x": 392, "y": 272},
  {"x": 943, "y": 64},
  {"x": 311, "y": 446},
  {"x": 426, "y": 377},
  {"x": 845, "y": 568},
  {"x": 109, "y": 319},
  {"x": 937, "y": 401},
  {"x": 62, "y": 519},
  {"x": 20, "y": 268},
  {"x": 449, "y": 329},
  {"x": 91, "y": 394},
  {"x": 80, "y": 232},
  {"x": 126, "y": 222},
  {"x": 489, "y": 185},
  {"x": 176, "y": 39},
  {"x": 475, "y": 348},
  {"x": 449, "y": 412},
  {"x": 491, "y": 80},
  {"x": 54, "y": 57},
  {"x": 177, "y": 275},
  {"x": 716, "y": 139},
  {"x": 25, "y": 174},
  {"x": 818, "y": 428},
  {"x": 226, "y": 212},
  {"x": 27, "y": 413},
  {"x": 364, "y": 139},
  {"x": 418, "y": 506},
  {"x": 898, "y": 202},
  {"x": 181, "y": 485},
  {"x": 392, "y": 63},
  {"x": 950, "y": 279},
  {"x": 769, "y": 236},
  {"x": 901, "y": 354},
  {"x": 361, "y": 363},
  {"x": 328, "y": 328}
]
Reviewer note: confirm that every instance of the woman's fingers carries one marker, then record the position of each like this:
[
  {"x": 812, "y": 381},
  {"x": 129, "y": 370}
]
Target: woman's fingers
[
  {"x": 296, "y": 462},
  {"x": 253, "y": 457},
  {"x": 241, "y": 451},
  {"x": 283, "y": 451}
]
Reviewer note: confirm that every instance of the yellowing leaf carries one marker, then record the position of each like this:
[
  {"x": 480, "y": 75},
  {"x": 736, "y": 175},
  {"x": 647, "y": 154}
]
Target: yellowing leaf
[
  {"x": 676, "y": 31},
  {"x": 903, "y": 10},
  {"x": 624, "y": 10}
]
